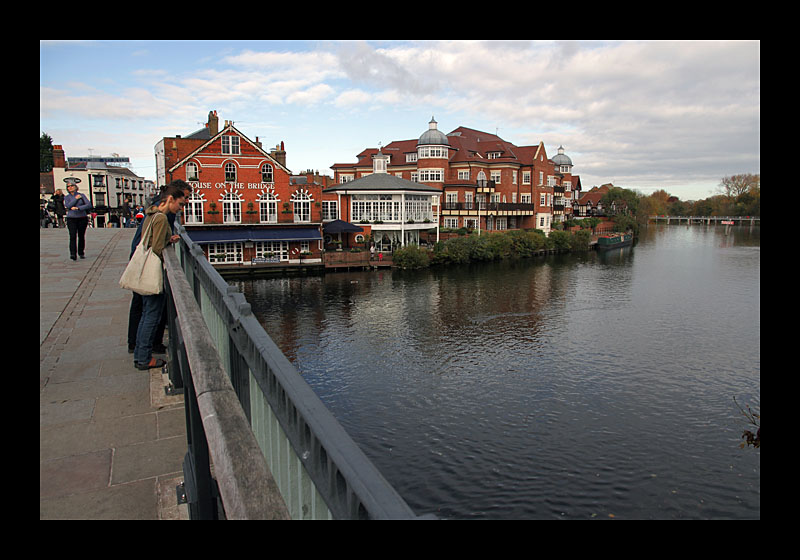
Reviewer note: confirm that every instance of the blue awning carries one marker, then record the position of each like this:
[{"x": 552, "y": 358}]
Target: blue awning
[{"x": 250, "y": 234}]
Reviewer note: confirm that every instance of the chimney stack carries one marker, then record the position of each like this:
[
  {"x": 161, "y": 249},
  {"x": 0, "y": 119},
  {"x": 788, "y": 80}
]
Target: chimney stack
[
  {"x": 213, "y": 123},
  {"x": 279, "y": 154},
  {"x": 59, "y": 159}
]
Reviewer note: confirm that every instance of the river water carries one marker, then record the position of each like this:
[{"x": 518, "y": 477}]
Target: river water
[{"x": 576, "y": 386}]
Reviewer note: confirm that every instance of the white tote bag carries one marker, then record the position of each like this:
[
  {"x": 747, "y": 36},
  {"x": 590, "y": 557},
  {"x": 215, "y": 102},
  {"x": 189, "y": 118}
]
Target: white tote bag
[{"x": 143, "y": 274}]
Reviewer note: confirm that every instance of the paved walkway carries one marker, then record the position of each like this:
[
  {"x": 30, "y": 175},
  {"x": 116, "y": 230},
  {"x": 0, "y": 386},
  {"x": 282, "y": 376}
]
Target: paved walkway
[{"x": 111, "y": 442}]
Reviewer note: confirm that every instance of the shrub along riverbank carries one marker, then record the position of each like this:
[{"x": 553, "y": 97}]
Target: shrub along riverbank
[{"x": 511, "y": 244}]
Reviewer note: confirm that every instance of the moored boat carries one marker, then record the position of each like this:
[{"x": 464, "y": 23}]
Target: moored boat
[{"x": 614, "y": 240}]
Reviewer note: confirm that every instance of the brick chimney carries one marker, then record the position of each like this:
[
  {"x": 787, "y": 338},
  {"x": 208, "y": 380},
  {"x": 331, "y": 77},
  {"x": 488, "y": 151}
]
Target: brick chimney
[
  {"x": 279, "y": 153},
  {"x": 213, "y": 123},
  {"x": 59, "y": 159}
]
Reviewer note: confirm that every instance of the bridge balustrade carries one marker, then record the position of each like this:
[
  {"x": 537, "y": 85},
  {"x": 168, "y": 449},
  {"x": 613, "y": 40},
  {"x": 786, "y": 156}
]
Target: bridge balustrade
[{"x": 261, "y": 444}]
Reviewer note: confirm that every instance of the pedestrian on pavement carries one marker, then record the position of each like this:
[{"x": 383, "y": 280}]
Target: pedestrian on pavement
[
  {"x": 77, "y": 206},
  {"x": 60, "y": 211},
  {"x": 159, "y": 235},
  {"x": 126, "y": 213}
]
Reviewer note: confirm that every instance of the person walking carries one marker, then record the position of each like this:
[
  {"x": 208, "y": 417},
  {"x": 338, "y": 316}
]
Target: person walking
[
  {"x": 78, "y": 207},
  {"x": 157, "y": 234}
]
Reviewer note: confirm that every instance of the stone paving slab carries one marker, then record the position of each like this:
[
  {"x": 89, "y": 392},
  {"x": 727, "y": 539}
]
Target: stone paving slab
[{"x": 111, "y": 442}]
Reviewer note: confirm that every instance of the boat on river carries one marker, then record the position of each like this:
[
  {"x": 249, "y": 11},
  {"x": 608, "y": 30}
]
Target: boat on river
[{"x": 614, "y": 240}]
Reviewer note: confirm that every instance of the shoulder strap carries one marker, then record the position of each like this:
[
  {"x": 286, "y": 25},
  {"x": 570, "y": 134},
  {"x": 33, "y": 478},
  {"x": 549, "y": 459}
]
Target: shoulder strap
[{"x": 146, "y": 237}]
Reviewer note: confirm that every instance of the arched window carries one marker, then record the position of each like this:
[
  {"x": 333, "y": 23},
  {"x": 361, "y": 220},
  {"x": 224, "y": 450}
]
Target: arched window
[
  {"x": 230, "y": 172},
  {"x": 267, "y": 175},
  {"x": 231, "y": 208},
  {"x": 302, "y": 206},
  {"x": 193, "y": 212},
  {"x": 191, "y": 172},
  {"x": 268, "y": 207}
]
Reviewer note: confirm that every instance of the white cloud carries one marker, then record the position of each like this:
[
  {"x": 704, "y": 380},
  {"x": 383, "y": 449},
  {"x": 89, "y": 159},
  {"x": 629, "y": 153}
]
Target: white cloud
[
  {"x": 310, "y": 96},
  {"x": 667, "y": 110},
  {"x": 352, "y": 98}
]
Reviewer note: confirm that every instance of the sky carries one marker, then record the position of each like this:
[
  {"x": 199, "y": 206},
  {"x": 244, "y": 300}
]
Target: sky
[{"x": 644, "y": 115}]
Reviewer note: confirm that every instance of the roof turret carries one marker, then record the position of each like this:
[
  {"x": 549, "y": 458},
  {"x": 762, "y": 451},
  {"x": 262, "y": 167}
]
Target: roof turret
[{"x": 433, "y": 136}]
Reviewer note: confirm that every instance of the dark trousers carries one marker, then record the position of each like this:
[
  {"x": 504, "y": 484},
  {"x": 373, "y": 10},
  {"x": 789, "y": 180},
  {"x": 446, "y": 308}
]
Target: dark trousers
[{"x": 77, "y": 235}]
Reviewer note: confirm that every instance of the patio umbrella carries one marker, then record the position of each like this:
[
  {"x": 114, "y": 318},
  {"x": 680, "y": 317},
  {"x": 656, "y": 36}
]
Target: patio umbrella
[{"x": 340, "y": 226}]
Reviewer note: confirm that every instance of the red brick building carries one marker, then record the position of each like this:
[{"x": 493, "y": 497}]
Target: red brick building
[
  {"x": 485, "y": 182},
  {"x": 245, "y": 209}
]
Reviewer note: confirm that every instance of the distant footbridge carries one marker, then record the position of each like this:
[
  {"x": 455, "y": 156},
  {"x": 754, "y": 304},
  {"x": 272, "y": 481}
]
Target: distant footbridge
[{"x": 725, "y": 220}]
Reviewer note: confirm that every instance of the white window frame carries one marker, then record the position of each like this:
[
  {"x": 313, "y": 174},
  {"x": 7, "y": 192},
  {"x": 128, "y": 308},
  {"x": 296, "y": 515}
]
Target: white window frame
[
  {"x": 427, "y": 152},
  {"x": 233, "y": 251},
  {"x": 231, "y": 208},
  {"x": 431, "y": 175},
  {"x": 268, "y": 208},
  {"x": 279, "y": 248},
  {"x": 193, "y": 211},
  {"x": 267, "y": 173},
  {"x": 330, "y": 210},
  {"x": 230, "y": 167},
  {"x": 192, "y": 172},
  {"x": 231, "y": 145},
  {"x": 301, "y": 201}
]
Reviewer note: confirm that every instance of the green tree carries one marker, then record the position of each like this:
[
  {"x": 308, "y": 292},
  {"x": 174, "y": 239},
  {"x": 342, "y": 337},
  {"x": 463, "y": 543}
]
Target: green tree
[
  {"x": 625, "y": 200},
  {"x": 45, "y": 153},
  {"x": 411, "y": 257},
  {"x": 580, "y": 240}
]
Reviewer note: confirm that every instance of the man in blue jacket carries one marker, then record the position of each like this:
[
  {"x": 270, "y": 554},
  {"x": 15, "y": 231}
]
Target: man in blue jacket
[{"x": 78, "y": 207}]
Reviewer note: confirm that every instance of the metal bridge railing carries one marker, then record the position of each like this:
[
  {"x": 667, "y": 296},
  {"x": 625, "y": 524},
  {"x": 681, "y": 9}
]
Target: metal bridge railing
[{"x": 277, "y": 451}]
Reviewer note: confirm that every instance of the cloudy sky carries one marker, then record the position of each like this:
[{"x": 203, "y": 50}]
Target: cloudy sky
[{"x": 641, "y": 114}]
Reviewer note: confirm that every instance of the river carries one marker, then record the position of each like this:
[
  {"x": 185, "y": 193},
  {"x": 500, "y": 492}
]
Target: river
[{"x": 575, "y": 386}]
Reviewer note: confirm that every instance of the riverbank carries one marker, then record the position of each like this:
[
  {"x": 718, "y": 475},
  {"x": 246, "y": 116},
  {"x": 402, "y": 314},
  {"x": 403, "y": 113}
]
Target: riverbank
[{"x": 511, "y": 244}]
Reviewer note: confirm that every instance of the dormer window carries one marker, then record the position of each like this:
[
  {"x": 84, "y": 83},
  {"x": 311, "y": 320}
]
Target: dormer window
[{"x": 493, "y": 155}]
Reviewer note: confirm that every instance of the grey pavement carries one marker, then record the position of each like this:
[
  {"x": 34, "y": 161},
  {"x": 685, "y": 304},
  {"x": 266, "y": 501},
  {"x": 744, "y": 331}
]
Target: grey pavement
[{"x": 111, "y": 441}]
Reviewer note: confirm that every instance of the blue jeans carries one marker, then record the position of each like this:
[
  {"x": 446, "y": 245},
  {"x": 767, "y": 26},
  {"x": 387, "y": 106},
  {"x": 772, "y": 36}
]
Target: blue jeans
[{"x": 152, "y": 308}]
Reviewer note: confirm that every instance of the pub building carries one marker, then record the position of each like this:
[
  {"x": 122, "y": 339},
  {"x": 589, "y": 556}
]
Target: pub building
[{"x": 244, "y": 210}]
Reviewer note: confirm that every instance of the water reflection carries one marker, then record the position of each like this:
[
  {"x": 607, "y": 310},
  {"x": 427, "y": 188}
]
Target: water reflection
[{"x": 567, "y": 386}]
